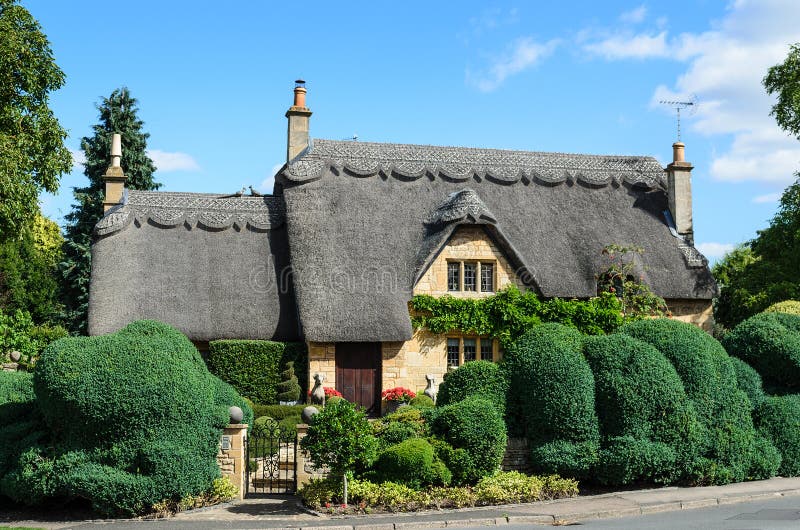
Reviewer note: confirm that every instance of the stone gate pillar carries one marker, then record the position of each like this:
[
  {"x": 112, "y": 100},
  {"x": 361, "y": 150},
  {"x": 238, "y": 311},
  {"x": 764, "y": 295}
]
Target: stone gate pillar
[{"x": 232, "y": 459}]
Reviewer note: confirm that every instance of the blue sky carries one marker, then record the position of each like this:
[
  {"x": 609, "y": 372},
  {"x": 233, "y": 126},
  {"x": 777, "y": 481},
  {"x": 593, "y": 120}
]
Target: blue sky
[{"x": 213, "y": 82}]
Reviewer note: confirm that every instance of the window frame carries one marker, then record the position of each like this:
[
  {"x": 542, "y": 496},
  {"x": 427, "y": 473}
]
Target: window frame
[
  {"x": 479, "y": 343},
  {"x": 478, "y": 277}
]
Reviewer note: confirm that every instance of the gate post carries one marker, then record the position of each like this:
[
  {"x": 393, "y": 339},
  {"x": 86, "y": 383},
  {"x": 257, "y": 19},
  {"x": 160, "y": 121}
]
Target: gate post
[
  {"x": 304, "y": 469},
  {"x": 232, "y": 459}
]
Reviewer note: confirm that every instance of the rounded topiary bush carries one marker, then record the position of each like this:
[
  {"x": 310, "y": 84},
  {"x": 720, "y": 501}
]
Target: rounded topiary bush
[
  {"x": 476, "y": 378},
  {"x": 770, "y": 343},
  {"x": 551, "y": 390},
  {"x": 421, "y": 401},
  {"x": 134, "y": 418},
  {"x": 643, "y": 408},
  {"x": 475, "y": 425},
  {"x": 787, "y": 306},
  {"x": 413, "y": 463},
  {"x": 726, "y": 434},
  {"x": 778, "y": 419},
  {"x": 749, "y": 381}
]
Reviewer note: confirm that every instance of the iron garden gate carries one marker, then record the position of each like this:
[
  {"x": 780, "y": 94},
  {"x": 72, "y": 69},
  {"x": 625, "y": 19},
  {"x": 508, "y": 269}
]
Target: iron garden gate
[{"x": 271, "y": 460}]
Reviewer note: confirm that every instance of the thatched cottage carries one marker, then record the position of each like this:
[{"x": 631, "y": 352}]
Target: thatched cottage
[{"x": 354, "y": 229}]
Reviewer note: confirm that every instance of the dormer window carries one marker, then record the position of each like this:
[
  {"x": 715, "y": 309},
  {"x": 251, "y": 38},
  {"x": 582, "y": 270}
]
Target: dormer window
[{"x": 471, "y": 276}]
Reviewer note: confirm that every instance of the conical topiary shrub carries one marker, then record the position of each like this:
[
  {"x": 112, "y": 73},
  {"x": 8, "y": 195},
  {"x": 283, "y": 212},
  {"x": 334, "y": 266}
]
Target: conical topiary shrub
[{"x": 289, "y": 388}]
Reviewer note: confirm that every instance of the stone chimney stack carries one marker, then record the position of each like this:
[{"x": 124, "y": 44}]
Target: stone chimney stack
[
  {"x": 114, "y": 177},
  {"x": 679, "y": 190},
  {"x": 298, "y": 115}
]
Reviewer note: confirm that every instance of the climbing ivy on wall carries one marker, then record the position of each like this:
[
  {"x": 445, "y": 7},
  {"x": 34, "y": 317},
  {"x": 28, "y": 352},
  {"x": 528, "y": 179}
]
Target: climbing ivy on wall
[{"x": 509, "y": 313}]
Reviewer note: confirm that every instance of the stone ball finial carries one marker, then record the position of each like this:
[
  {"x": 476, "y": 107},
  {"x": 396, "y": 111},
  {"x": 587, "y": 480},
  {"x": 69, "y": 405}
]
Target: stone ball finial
[
  {"x": 236, "y": 414},
  {"x": 15, "y": 356},
  {"x": 308, "y": 413}
]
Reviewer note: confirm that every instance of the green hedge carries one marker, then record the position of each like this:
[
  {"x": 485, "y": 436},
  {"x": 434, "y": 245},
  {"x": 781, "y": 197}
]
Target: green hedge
[
  {"x": 278, "y": 412},
  {"x": 254, "y": 367},
  {"x": 413, "y": 463},
  {"x": 133, "y": 418},
  {"x": 770, "y": 343},
  {"x": 778, "y": 419},
  {"x": 643, "y": 408},
  {"x": 727, "y": 435},
  {"x": 477, "y": 427},
  {"x": 749, "y": 381},
  {"x": 552, "y": 393},
  {"x": 482, "y": 378}
]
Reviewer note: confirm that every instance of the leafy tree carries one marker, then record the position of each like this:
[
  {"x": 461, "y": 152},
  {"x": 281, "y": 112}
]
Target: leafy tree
[
  {"x": 28, "y": 270},
  {"x": 32, "y": 151},
  {"x": 767, "y": 273},
  {"x": 340, "y": 437},
  {"x": 118, "y": 114}
]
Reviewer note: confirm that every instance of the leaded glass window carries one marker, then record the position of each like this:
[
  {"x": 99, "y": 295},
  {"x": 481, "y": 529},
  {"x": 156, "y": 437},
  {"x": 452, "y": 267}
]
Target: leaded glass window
[
  {"x": 469, "y": 350},
  {"x": 470, "y": 276},
  {"x": 487, "y": 352},
  {"x": 452, "y": 352},
  {"x": 487, "y": 277},
  {"x": 453, "y": 276}
]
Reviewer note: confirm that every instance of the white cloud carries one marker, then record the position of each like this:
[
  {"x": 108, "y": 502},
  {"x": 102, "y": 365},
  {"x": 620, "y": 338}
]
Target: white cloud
[
  {"x": 725, "y": 66},
  {"x": 78, "y": 159},
  {"x": 714, "y": 251},
  {"x": 172, "y": 161},
  {"x": 630, "y": 46},
  {"x": 634, "y": 16},
  {"x": 268, "y": 183},
  {"x": 767, "y": 198},
  {"x": 522, "y": 54}
]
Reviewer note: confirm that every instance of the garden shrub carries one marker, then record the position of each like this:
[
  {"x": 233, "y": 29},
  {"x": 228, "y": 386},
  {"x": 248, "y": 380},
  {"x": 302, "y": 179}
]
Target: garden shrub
[
  {"x": 770, "y": 343},
  {"x": 787, "y": 306},
  {"x": 626, "y": 460},
  {"x": 726, "y": 434},
  {"x": 421, "y": 401},
  {"x": 766, "y": 459},
  {"x": 254, "y": 367},
  {"x": 395, "y": 432},
  {"x": 476, "y": 378},
  {"x": 133, "y": 417},
  {"x": 278, "y": 412},
  {"x": 289, "y": 387},
  {"x": 748, "y": 381},
  {"x": 19, "y": 333},
  {"x": 508, "y": 488},
  {"x": 413, "y": 463},
  {"x": 778, "y": 419},
  {"x": 642, "y": 408},
  {"x": 476, "y": 426},
  {"x": 21, "y": 424},
  {"x": 551, "y": 394}
]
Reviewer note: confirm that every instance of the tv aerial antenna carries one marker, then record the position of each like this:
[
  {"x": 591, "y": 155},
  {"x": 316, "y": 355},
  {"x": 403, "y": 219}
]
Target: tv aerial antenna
[
  {"x": 353, "y": 138},
  {"x": 689, "y": 106}
]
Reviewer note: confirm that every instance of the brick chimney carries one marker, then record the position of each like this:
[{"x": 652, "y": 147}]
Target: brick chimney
[
  {"x": 114, "y": 177},
  {"x": 679, "y": 190},
  {"x": 298, "y": 116}
]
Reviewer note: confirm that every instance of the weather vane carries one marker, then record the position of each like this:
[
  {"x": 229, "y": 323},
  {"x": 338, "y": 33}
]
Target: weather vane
[{"x": 690, "y": 105}]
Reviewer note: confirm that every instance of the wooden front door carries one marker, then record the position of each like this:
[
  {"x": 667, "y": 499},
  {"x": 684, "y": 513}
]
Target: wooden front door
[{"x": 358, "y": 374}]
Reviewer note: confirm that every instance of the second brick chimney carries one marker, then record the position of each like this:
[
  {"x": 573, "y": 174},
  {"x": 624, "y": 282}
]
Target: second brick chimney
[
  {"x": 114, "y": 177},
  {"x": 297, "y": 137},
  {"x": 679, "y": 190}
]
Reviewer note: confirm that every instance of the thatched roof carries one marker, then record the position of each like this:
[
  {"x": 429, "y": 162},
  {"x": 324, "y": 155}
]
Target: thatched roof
[
  {"x": 213, "y": 267},
  {"x": 364, "y": 221}
]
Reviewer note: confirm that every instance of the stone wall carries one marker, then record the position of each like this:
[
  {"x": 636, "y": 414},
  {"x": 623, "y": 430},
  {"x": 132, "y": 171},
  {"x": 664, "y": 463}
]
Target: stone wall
[
  {"x": 322, "y": 360},
  {"x": 231, "y": 456},
  {"x": 697, "y": 312},
  {"x": 517, "y": 456}
]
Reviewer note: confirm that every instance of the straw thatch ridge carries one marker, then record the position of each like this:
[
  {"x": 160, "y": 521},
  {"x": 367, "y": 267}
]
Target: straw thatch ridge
[{"x": 359, "y": 221}]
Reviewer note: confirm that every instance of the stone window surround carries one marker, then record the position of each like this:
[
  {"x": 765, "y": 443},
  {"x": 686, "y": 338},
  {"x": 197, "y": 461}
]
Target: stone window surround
[
  {"x": 478, "y": 275},
  {"x": 478, "y": 353}
]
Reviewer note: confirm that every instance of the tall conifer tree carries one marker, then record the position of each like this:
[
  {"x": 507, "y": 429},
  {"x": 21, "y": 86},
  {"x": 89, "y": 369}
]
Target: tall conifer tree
[{"x": 118, "y": 114}]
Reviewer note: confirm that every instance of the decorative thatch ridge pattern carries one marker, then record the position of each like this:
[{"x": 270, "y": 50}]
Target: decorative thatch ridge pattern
[
  {"x": 460, "y": 164},
  {"x": 168, "y": 209},
  {"x": 460, "y": 206}
]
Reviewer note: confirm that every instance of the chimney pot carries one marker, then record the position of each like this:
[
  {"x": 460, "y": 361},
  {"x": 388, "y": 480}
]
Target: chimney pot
[
  {"x": 114, "y": 177},
  {"x": 298, "y": 122},
  {"x": 677, "y": 152},
  {"x": 116, "y": 150}
]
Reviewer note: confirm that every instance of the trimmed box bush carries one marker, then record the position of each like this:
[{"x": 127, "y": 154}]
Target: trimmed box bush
[
  {"x": 643, "y": 409},
  {"x": 778, "y": 419},
  {"x": 727, "y": 434},
  {"x": 552, "y": 391},
  {"x": 132, "y": 418},
  {"x": 477, "y": 427},
  {"x": 476, "y": 378},
  {"x": 254, "y": 367},
  {"x": 413, "y": 463},
  {"x": 748, "y": 381},
  {"x": 787, "y": 306},
  {"x": 770, "y": 343}
]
